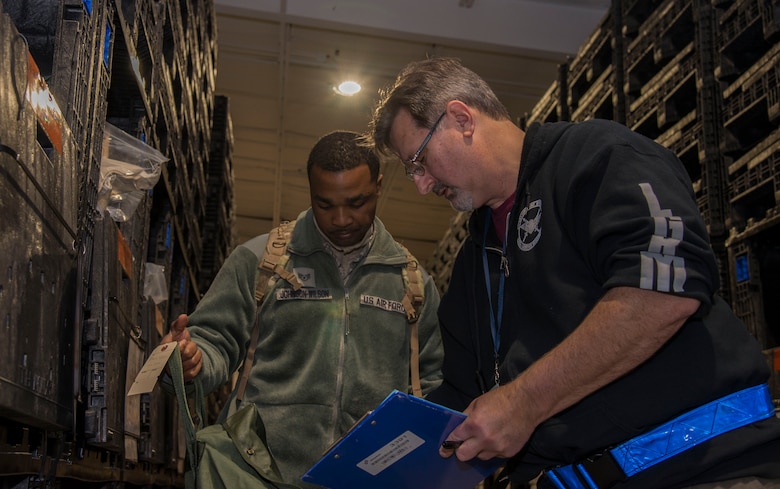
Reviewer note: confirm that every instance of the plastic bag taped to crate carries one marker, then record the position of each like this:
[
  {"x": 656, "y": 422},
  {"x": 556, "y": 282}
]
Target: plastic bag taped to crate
[{"x": 128, "y": 168}]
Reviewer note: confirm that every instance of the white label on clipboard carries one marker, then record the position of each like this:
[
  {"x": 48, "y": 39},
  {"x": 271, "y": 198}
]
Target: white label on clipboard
[{"x": 391, "y": 453}]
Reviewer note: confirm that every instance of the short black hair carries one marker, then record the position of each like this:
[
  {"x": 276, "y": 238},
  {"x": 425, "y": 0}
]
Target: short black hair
[{"x": 342, "y": 150}]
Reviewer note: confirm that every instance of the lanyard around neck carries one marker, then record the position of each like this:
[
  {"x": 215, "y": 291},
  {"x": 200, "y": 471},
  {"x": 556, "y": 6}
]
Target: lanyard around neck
[{"x": 497, "y": 316}]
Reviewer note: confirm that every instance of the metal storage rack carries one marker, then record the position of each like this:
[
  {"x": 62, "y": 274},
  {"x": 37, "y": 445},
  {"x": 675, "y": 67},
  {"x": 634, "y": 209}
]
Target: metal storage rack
[{"x": 80, "y": 327}]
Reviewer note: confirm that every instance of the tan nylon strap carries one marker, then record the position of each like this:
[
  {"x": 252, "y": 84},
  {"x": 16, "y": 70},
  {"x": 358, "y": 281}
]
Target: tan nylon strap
[
  {"x": 250, "y": 357},
  {"x": 272, "y": 264},
  {"x": 414, "y": 360},
  {"x": 270, "y": 269},
  {"x": 414, "y": 296}
]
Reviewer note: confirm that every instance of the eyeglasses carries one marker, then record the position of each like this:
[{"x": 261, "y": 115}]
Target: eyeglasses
[{"x": 412, "y": 167}]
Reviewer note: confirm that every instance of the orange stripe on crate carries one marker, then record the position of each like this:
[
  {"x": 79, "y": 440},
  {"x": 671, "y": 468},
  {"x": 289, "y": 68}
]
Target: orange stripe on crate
[
  {"x": 777, "y": 359},
  {"x": 44, "y": 105},
  {"x": 124, "y": 254}
]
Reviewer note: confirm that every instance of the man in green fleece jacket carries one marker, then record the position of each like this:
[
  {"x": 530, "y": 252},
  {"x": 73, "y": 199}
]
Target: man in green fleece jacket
[{"x": 334, "y": 349}]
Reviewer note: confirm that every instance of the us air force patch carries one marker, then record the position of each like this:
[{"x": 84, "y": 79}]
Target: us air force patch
[
  {"x": 381, "y": 303},
  {"x": 528, "y": 229}
]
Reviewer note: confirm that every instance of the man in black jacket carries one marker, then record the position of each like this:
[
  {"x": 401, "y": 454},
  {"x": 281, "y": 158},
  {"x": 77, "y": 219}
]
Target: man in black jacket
[{"x": 582, "y": 330}]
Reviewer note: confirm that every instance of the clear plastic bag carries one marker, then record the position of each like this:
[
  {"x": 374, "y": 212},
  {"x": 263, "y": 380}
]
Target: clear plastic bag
[
  {"x": 128, "y": 168},
  {"x": 155, "y": 285}
]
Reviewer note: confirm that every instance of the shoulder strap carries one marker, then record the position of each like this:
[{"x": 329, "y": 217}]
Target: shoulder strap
[
  {"x": 272, "y": 264},
  {"x": 414, "y": 297},
  {"x": 270, "y": 268}
]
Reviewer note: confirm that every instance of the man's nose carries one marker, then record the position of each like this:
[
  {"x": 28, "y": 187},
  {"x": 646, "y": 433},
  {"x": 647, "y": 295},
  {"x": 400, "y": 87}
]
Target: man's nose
[
  {"x": 424, "y": 183},
  {"x": 342, "y": 217}
]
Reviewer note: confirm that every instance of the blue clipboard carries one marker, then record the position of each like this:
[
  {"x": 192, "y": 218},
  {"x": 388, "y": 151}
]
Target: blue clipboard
[{"x": 397, "y": 445}]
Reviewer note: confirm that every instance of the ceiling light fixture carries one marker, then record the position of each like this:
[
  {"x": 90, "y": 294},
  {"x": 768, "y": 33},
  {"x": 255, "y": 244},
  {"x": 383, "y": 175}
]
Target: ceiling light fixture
[{"x": 347, "y": 88}]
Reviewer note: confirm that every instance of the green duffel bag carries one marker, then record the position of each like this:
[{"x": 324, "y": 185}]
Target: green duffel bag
[{"x": 230, "y": 455}]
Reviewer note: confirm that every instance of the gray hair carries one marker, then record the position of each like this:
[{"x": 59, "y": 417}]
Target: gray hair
[{"x": 423, "y": 88}]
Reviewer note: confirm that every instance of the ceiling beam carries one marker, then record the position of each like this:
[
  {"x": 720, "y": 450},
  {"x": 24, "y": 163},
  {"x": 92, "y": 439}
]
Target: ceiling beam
[{"x": 522, "y": 26}]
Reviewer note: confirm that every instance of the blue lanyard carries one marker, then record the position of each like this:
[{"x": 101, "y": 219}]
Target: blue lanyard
[{"x": 495, "y": 322}]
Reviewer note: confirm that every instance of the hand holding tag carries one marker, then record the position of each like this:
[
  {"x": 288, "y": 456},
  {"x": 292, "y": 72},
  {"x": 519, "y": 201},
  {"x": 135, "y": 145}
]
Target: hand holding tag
[{"x": 147, "y": 378}]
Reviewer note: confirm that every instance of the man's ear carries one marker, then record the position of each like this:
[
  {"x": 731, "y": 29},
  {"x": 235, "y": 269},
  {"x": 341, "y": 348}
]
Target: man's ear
[
  {"x": 379, "y": 185},
  {"x": 463, "y": 116}
]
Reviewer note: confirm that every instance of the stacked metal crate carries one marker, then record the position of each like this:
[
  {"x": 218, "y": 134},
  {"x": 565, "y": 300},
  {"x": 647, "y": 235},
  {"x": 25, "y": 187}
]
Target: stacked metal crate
[
  {"x": 440, "y": 264},
  {"x": 38, "y": 212},
  {"x": 592, "y": 83},
  {"x": 748, "y": 66},
  {"x": 553, "y": 105},
  {"x": 218, "y": 237},
  {"x": 80, "y": 325}
]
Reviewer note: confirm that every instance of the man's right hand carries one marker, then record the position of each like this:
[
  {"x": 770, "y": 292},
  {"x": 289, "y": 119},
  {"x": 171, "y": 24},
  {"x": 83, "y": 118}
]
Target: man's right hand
[{"x": 191, "y": 357}]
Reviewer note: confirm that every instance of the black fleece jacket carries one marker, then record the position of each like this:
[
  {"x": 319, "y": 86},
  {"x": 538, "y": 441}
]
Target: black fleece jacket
[{"x": 598, "y": 206}]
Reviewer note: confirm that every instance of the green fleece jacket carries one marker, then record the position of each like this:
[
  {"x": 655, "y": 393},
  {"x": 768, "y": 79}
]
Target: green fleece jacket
[{"x": 325, "y": 355}]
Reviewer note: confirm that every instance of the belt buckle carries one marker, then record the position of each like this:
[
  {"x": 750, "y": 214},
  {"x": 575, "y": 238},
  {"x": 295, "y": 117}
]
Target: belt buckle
[
  {"x": 602, "y": 470},
  {"x": 597, "y": 471}
]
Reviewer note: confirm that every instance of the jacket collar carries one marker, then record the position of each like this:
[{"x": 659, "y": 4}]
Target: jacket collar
[
  {"x": 531, "y": 160},
  {"x": 307, "y": 240}
]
